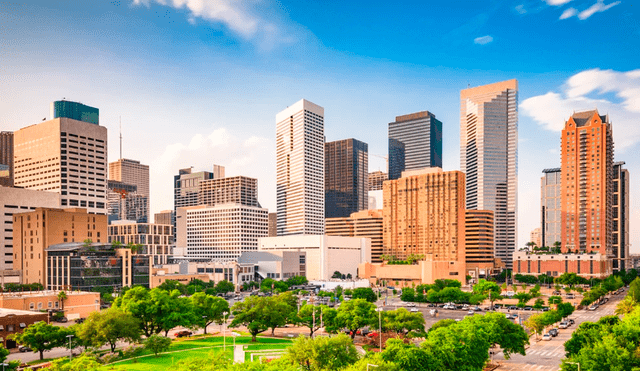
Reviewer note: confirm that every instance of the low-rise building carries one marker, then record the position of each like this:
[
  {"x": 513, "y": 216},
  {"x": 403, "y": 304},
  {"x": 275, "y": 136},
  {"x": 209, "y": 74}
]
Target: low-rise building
[
  {"x": 425, "y": 271},
  {"x": 13, "y": 321},
  {"x": 589, "y": 265},
  {"x": 365, "y": 223},
  {"x": 78, "y": 304},
  {"x": 156, "y": 240}
]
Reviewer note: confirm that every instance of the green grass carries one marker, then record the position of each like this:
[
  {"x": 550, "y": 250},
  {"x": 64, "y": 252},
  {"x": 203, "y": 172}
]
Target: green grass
[{"x": 194, "y": 348}]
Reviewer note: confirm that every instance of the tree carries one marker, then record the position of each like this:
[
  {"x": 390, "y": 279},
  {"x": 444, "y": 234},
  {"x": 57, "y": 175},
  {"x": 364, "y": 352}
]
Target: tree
[
  {"x": 157, "y": 344},
  {"x": 12, "y": 365},
  {"x": 84, "y": 363},
  {"x": 208, "y": 309},
  {"x": 634, "y": 290},
  {"x": 109, "y": 327},
  {"x": 402, "y": 321},
  {"x": 279, "y": 311},
  {"x": 138, "y": 302},
  {"x": 408, "y": 294},
  {"x": 355, "y": 314},
  {"x": 337, "y": 275},
  {"x": 40, "y": 337},
  {"x": 309, "y": 316},
  {"x": 175, "y": 310},
  {"x": 555, "y": 300},
  {"x": 170, "y": 285},
  {"x": 269, "y": 285},
  {"x": 538, "y": 304},
  {"x": 322, "y": 353},
  {"x": 487, "y": 288},
  {"x": 297, "y": 281},
  {"x": 62, "y": 296},
  {"x": 365, "y": 293},
  {"x": 252, "y": 313},
  {"x": 626, "y": 306},
  {"x": 224, "y": 287}
]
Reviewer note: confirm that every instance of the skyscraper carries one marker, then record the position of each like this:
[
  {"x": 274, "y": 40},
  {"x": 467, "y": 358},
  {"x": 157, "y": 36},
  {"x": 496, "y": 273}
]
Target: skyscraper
[
  {"x": 376, "y": 178},
  {"x": 300, "y": 169},
  {"x": 551, "y": 207},
  {"x": 66, "y": 156},
  {"x": 6, "y": 157},
  {"x": 75, "y": 110},
  {"x": 187, "y": 187},
  {"x": 620, "y": 217},
  {"x": 587, "y": 183},
  {"x": 488, "y": 157},
  {"x": 237, "y": 189},
  {"x": 346, "y": 169},
  {"x": 134, "y": 173},
  {"x": 421, "y": 135},
  {"x": 479, "y": 242}
]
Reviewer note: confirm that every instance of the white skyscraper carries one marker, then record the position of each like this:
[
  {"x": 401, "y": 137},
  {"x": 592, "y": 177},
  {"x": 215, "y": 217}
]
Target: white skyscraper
[
  {"x": 489, "y": 157},
  {"x": 300, "y": 169}
]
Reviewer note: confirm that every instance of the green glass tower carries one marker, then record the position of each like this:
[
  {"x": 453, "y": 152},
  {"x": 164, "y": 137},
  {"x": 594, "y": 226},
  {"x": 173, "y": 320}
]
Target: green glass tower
[{"x": 75, "y": 111}]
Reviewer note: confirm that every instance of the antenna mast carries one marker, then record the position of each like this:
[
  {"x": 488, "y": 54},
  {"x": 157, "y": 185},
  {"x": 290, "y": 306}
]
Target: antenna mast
[{"x": 120, "y": 136}]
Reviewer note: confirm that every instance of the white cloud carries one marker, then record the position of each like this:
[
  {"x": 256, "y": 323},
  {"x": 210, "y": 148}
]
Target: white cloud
[
  {"x": 253, "y": 157},
  {"x": 584, "y": 91},
  {"x": 568, "y": 13},
  {"x": 596, "y": 8},
  {"x": 237, "y": 15},
  {"x": 483, "y": 40},
  {"x": 556, "y": 2},
  {"x": 521, "y": 9}
]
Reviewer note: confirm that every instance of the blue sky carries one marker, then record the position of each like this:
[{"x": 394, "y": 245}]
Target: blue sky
[{"x": 199, "y": 82}]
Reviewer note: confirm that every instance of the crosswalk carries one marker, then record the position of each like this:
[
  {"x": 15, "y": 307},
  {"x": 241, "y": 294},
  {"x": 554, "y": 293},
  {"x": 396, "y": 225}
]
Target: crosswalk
[{"x": 528, "y": 367}]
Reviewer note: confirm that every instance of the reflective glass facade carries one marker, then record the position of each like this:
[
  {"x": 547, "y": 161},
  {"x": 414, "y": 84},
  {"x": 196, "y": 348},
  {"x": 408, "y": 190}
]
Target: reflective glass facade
[
  {"x": 421, "y": 135},
  {"x": 345, "y": 177},
  {"x": 76, "y": 111}
]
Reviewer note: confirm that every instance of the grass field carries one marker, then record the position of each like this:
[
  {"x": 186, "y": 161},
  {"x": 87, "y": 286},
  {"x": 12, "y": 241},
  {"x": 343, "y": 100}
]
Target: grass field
[{"x": 195, "y": 348}]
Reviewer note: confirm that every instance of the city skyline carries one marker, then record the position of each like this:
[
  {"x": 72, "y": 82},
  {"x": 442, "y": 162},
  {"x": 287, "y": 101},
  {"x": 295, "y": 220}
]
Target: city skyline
[{"x": 174, "y": 91}]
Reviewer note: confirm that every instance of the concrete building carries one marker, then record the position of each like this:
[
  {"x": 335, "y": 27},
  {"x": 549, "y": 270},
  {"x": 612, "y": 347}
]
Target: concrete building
[
  {"x": 551, "y": 207},
  {"x": 164, "y": 217},
  {"x": 425, "y": 271},
  {"x": 6, "y": 157},
  {"x": 133, "y": 172},
  {"x": 65, "y": 156},
  {"x": 586, "y": 265},
  {"x": 94, "y": 266},
  {"x": 587, "y": 184},
  {"x": 479, "y": 243},
  {"x": 125, "y": 203},
  {"x": 424, "y": 214},
  {"x": 156, "y": 240},
  {"x": 536, "y": 236},
  {"x": 300, "y": 169},
  {"x": 376, "y": 178},
  {"x": 346, "y": 187},
  {"x": 238, "y": 189},
  {"x": 78, "y": 304},
  {"x": 219, "y": 232},
  {"x": 324, "y": 254},
  {"x": 187, "y": 187},
  {"x": 365, "y": 223},
  {"x": 14, "y": 201},
  {"x": 273, "y": 225},
  {"x": 421, "y": 135},
  {"x": 620, "y": 217},
  {"x": 35, "y": 231},
  {"x": 488, "y": 157},
  {"x": 14, "y": 321}
]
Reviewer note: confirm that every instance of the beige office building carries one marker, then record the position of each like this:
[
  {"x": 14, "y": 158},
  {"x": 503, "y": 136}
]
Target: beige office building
[
  {"x": 133, "y": 172},
  {"x": 376, "y": 178},
  {"x": 479, "y": 243},
  {"x": 36, "y": 230},
  {"x": 237, "y": 189},
  {"x": 65, "y": 156},
  {"x": 15, "y": 201},
  {"x": 155, "y": 239},
  {"x": 424, "y": 214},
  {"x": 365, "y": 223}
]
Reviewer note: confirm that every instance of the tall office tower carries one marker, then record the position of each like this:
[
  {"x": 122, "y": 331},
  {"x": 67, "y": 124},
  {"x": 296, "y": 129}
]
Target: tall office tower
[
  {"x": 587, "y": 183},
  {"x": 620, "y": 217},
  {"x": 396, "y": 158},
  {"x": 489, "y": 157},
  {"x": 551, "y": 207},
  {"x": 131, "y": 172},
  {"x": 346, "y": 171},
  {"x": 300, "y": 169},
  {"x": 35, "y": 231},
  {"x": 187, "y": 187},
  {"x": 6, "y": 158},
  {"x": 365, "y": 223},
  {"x": 424, "y": 214},
  {"x": 237, "y": 189},
  {"x": 125, "y": 203},
  {"x": 66, "y": 156},
  {"x": 479, "y": 242},
  {"x": 376, "y": 178},
  {"x": 76, "y": 111},
  {"x": 421, "y": 134},
  {"x": 14, "y": 201}
]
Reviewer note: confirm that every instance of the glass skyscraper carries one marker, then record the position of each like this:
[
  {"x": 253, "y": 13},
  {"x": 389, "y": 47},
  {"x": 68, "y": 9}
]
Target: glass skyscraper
[
  {"x": 415, "y": 142},
  {"x": 346, "y": 167},
  {"x": 75, "y": 110}
]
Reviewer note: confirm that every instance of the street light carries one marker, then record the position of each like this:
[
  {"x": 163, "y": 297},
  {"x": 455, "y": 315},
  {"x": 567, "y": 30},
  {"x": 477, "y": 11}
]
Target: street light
[
  {"x": 224, "y": 338},
  {"x": 70, "y": 352},
  {"x": 574, "y": 363},
  {"x": 379, "y": 310},
  {"x": 6, "y": 364}
]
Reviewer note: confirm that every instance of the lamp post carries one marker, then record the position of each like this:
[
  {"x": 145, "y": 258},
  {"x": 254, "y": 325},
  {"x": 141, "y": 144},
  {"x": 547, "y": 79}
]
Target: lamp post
[
  {"x": 70, "y": 352},
  {"x": 574, "y": 363},
  {"x": 4, "y": 365},
  {"x": 224, "y": 328},
  {"x": 379, "y": 310}
]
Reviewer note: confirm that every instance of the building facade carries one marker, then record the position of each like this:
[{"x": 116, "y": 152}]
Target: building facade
[
  {"x": 187, "y": 187},
  {"x": 164, "y": 217},
  {"x": 125, "y": 203},
  {"x": 238, "y": 189},
  {"x": 536, "y": 236},
  {"x": 300, "y": 169},
  {"x": 219, "y": 232},
  {"x": 76, "y": 305},
  {"x": 587, "y": 184},
  {"x": 346, "y": 187},
  {"x": 421, "y": 136},
  {"x": 479, "y": 243},
  {"x": 35, "y": 231},
  {"x": 424, "y": 215},
  {"x": 365, "y": 223},
  {"x": 133, "y": 172},
  {"x": 76, "y": 111},
  {"x": 376, "y": 178},
  {"x": 65, "y": 156},
  {"x": 489, "y": 157},
  {"x": 593, "y": 265},
  {"x": 551, "y": 207},
  {"x": 15, "y": 201},
  {"x": 6, "y": 157},
  {"x": 155, "y": 240},
  {"x": 13, "y": 321},
  {"x": 273, "y": 224},
  {"x": 620, "y": 217}
]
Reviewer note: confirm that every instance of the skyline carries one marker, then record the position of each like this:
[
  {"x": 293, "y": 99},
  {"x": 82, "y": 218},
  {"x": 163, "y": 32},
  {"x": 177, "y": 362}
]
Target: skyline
[{"x": 204, "y": 87}]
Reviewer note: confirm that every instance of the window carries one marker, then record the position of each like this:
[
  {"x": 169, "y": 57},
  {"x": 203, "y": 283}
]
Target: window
[{"x": 32, "y": 306}]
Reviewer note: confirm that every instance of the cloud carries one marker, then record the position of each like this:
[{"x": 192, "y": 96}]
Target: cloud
[
  {"x": 568, "y": 13},
  {"x": 236, "y": 15},
  {"x": 253, "y": 157},
  {"x": 596, "y": 8},
  {"x": 483, "y": 40},
  {"x": 586, "y": 91},
  {"x": 557, "y": 2},
  {"x": 521, "y": 9}
]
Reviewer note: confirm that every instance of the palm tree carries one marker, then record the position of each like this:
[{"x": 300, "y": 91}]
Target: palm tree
[
  {"x": 626, "y": 306},
  {"x": 62, "y": 296}
]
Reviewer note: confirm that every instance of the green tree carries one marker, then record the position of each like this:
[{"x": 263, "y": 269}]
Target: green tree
[
  {"x": 402, "y": 321},
  {"x": 297, "y": 281},
  {"x": 252, "y": 313},
  {"x": 634, "y": 290},
  {"x": 408, "y": 294},
  {"x": 138, "y": 302},
  {"x": 279, "y": 312},
  {"x": 208, "y": 309},
  {"x": 224, "y": 287},
  {"x": 157, "y": 344},
  {"x": 271, "y": 285},
  {"x": 489, "y": 289},
  {"x": 307, "y": 319},
  {"x": 337, "y": 275},
  {"x": 365, "y": 293},
  {"x": 355, "y": 314},
  {"x": 625, "y": 306},
  {"x": 40, "y": 337},
  {"x": 170, "y": 285},
  {"x": 322, "y": 353},
  {"x": 83, "y": 363},
  {"x": 12, "y": 365},
  {"x": 109, "y": 327},
  {"x": 62, "y": 296},
  {"x": 175, "y": 310}
]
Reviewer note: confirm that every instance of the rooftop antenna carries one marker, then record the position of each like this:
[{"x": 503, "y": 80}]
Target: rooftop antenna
[{"x": 120, "y": 137}]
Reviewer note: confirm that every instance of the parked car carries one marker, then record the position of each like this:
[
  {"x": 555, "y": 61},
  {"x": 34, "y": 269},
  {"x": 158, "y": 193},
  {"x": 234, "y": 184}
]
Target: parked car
[
  {"x": 62, "y": 320},
  {"x": 477, "y": 308},
  {"x": 79, "y": 320},
  {"x": 184, "y": 333},
  {"x": 593, "y": 307},
  {"x": 24, "y": 349},
  {"x": 546, "y": 337},
  {"x": 465, "y": 307},
  {"x": 372, "y": 334},
  {"x": 431, "y": 305},
  {"x": 413, "y": 310},
  {"x": 513, "y": 307},
  {"x": 471, "y": 312},
  {"x": 528, "y": 308},
  {"x": 563, "y": 325},
  {"x": 571, "y": 321},
  {"x": 553, "y": 332},
  {"x": 555, "y": 292}
]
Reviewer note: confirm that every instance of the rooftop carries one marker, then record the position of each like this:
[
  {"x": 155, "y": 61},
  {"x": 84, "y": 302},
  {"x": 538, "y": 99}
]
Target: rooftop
[
  {"x": 15, "y": 312},
  {"x": 254, "y": 257}
]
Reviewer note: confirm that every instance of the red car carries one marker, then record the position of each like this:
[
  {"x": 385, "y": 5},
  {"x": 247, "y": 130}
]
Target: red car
[{"x": 372, "y": 334}]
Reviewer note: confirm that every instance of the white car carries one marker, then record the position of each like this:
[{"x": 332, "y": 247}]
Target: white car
[
  {"x": 546, "y": 337},
  {"x": 593, "y": 307},
  {"x": 563, "y": 325},
  {"x": 414, "y": 310}
]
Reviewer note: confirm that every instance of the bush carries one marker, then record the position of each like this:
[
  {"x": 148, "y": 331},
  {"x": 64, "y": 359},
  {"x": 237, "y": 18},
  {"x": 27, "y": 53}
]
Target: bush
[{"x": 157, "y": 344}]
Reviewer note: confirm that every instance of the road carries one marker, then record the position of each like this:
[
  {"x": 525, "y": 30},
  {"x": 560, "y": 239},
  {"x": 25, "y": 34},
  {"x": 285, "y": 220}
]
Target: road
[{"x": 547, "y": 355}]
